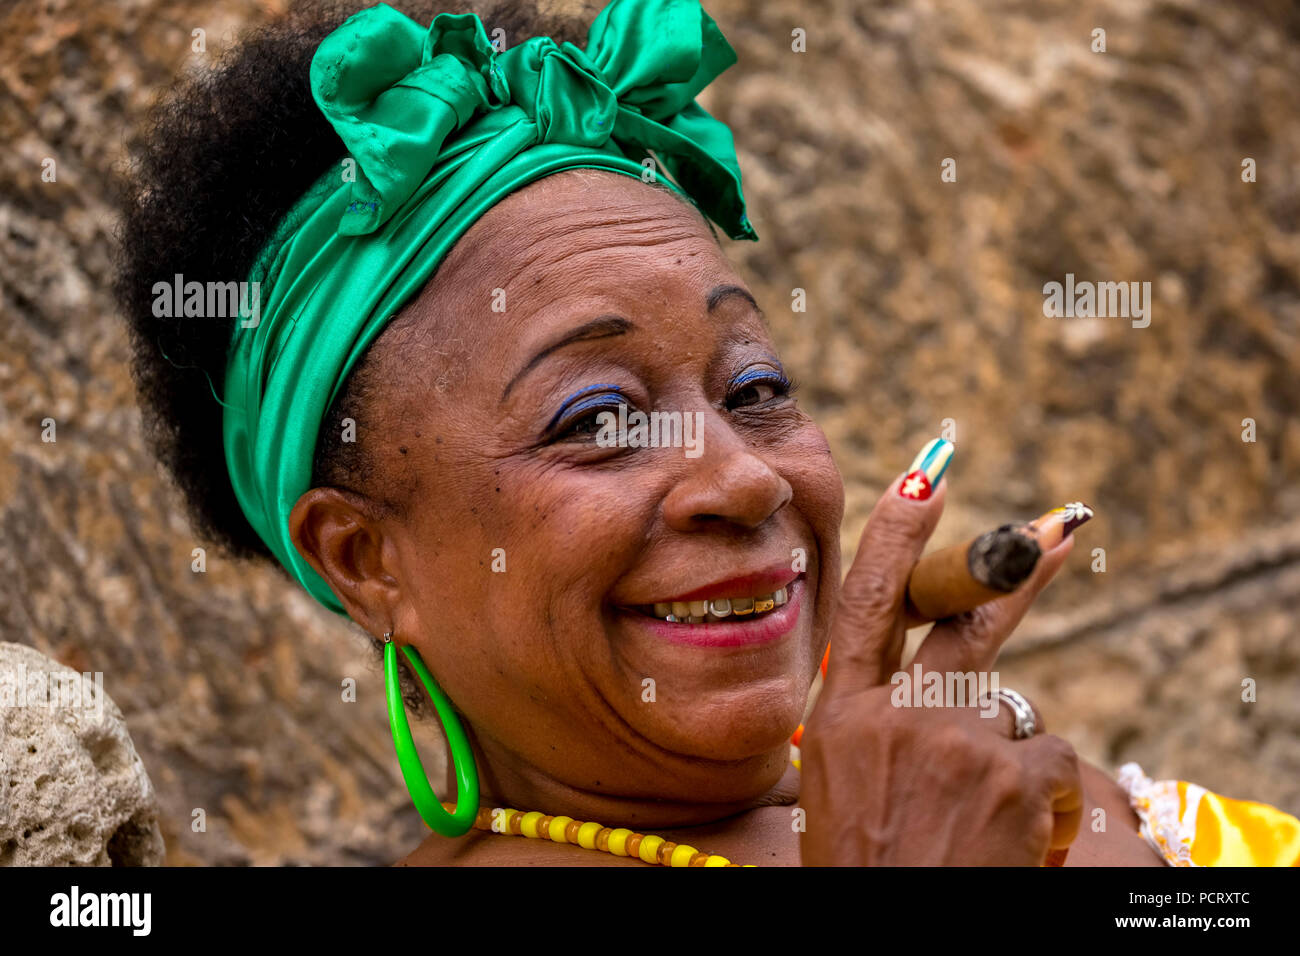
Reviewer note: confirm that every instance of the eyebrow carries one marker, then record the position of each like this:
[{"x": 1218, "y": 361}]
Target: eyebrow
[
  {"x": 722, "y": 293},
  {"x": 606, "y": 326},
  {"x": 602, "y": 327}
]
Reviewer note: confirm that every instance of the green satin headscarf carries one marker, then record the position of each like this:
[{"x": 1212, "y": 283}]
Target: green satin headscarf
[{"x": 438, "y": 127}]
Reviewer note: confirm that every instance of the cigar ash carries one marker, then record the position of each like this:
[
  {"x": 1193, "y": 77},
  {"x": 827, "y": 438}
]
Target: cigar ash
[{"x": 1001, "y": 559}]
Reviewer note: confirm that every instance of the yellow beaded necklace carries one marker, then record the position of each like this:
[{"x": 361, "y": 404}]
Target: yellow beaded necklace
[
  {"x": 618, "y": 841},
  {"x": 594, "y": 836}
]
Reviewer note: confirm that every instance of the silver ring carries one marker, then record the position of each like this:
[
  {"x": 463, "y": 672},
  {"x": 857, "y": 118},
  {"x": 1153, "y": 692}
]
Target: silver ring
[{"x": 1025, "y": 726}]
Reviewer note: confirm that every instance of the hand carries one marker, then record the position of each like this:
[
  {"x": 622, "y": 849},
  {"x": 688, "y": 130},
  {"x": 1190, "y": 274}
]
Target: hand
[{"x": 887, "y": 785}]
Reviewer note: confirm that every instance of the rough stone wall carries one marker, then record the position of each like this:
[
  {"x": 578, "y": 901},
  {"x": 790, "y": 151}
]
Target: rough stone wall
[
  {"x": 924, "y": 303},
  {"x": 73, "y": 790}
]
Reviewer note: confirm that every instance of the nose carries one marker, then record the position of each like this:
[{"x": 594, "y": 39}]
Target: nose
[{"x": 731, "y": 484}]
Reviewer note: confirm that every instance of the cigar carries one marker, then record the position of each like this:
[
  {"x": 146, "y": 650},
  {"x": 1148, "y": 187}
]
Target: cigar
[
  {"x": 972, "y": 573},
  {"x": 990, "y": 566}
]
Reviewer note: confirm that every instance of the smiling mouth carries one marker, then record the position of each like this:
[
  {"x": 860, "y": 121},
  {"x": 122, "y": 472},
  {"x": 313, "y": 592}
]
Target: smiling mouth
[{"x": 715, "y": 610}]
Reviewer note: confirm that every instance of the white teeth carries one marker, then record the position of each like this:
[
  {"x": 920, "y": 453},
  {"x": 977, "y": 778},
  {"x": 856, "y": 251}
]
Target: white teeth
[{"x": 780, "y": 597}]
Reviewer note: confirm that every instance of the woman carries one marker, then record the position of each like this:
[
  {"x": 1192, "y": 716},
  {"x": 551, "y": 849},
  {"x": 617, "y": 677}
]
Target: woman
[{"x": 463, "y": 266}]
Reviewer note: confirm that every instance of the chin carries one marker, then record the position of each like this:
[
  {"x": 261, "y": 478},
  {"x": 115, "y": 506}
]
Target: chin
[{"x": 739, "y": 722}]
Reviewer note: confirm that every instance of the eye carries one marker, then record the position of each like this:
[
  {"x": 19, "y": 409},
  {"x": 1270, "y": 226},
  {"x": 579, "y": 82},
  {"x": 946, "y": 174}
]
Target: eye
[
  {"x": 757, "y": 386},
  {"x": 585, "y": 425},
  {"x": 579, "y": 417},
  {"x": 755, "y": 394}
]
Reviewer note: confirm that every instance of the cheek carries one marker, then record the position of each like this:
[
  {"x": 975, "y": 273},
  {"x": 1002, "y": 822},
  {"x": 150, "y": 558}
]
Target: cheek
[
  {"x": 817, "y": 484},
  {"x": 505, "y": 595},
  {"x": 565, "y": 530},
  {"x": 819, "y": 497},
  {"x": 522, "y": 562}
]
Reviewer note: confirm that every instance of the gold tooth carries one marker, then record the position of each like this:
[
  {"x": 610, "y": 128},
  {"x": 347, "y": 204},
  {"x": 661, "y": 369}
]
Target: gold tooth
[{"x": 682, "y": 611}]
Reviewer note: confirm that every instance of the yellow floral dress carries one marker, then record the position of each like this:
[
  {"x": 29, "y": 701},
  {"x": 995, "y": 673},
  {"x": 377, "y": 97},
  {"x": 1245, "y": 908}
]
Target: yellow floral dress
[{"x": 1190, "y": 826}]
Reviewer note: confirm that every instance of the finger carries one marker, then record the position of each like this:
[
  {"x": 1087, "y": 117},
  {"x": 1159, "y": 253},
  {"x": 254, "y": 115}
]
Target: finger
[
  {"x": 971, "y": 641},
  {"x": 868, "y": 624},
  {"x": 1054, "y": 766}
]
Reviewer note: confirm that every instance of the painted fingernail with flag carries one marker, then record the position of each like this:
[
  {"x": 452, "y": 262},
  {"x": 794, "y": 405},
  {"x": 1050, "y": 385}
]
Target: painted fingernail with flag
[{"x": 927, "y": 470}]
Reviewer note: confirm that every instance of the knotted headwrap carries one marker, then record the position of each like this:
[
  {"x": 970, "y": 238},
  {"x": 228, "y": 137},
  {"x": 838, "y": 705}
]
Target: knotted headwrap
[{"x": 439, "y": 127}]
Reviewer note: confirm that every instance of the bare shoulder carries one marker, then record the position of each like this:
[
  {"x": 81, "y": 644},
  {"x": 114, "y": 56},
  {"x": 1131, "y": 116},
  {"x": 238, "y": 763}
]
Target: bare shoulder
[{"x": 1111, "y": 837}]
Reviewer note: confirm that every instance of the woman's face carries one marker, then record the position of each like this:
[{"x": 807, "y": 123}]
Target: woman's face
[{"x": 525, "y": 555}]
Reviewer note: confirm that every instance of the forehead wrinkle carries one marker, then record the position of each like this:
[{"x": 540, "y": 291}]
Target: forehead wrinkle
[
  {"x": 588, "y": 228},
  {"x": 546, "y": 258}
]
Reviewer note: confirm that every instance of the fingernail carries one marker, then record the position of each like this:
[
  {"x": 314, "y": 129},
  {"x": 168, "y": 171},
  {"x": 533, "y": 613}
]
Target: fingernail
[
  {"x": 1074, "y": 514},
  {"x": 1055, "y": 526},
  {"x": 927, "y": 470}
]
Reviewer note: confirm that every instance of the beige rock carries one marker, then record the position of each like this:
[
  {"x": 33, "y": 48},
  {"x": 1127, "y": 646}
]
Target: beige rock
[{"x": 73, "y": 791}]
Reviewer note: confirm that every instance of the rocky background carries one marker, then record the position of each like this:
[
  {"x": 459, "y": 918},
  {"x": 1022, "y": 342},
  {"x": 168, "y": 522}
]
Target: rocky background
[{"x": 924, "y": 304}]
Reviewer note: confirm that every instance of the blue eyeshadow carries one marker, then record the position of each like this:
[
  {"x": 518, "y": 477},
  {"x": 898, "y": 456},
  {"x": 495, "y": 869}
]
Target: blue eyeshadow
[
  {"x": 592, "y": 402},
  {"x": 769, "y": 374}
]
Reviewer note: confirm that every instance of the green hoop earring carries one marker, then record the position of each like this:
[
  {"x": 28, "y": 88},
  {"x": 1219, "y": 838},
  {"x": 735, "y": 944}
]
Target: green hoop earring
[{"x": 417, "y": 782}]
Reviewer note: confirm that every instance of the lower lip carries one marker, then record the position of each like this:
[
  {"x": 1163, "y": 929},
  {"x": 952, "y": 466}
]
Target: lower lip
[{"x": 770, "y": 627}]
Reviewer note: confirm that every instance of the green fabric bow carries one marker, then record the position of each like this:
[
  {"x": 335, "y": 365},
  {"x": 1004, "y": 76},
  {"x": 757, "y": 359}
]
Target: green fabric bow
[{"x": 439, "y": 127}]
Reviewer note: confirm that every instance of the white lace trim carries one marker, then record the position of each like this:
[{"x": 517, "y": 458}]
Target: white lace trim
[{"x": 1156, "y": 804}]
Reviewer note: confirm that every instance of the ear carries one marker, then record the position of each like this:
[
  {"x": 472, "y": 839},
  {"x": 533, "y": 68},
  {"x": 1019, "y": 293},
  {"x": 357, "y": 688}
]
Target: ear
[{"x": 341, "y": 536}]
